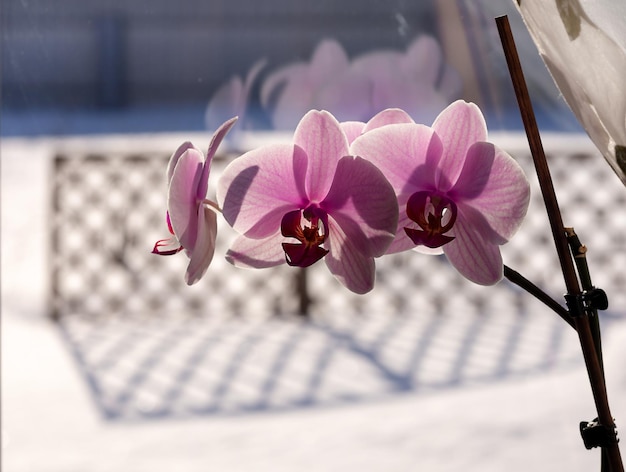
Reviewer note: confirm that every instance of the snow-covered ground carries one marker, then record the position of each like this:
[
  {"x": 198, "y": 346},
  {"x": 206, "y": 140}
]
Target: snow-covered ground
[{"x": 52, "y": 421}]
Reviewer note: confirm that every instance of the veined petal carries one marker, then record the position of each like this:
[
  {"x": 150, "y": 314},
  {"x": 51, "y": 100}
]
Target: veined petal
[
  {"x": 171, "y": 165},
  {"x": 494, "y": 184},
  {"x": 364, "y": 204},
  {"x": 355, "y": 270},
  {"x": 407, "y": 154},
  {"x": 182, "y": 200},
  {"x": 257, "y": 253},
  {"x": 202, "y": 255},
  {"x": 459, "y": 126},
  {"x": 324, "y": 142},
  {"x": 216, "y": 140},
  {"x": 218, "y": 137},
  {"x": 388, "y": 116},
  {"x": 476, "y": 258},
  {"x": 254, "y": 186},
  {"x": 353, "y": 129}
]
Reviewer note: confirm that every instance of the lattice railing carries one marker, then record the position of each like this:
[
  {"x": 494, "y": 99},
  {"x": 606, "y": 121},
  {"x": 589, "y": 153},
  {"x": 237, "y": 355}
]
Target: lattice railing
[
  {"x": 108, "y": 210},
  {"x": 151, "y": 347}
]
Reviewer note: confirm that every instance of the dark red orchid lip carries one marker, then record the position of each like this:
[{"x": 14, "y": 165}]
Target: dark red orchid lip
[
  {"x": 311, "y": 237},
  {"x": 435, "y": 214}
]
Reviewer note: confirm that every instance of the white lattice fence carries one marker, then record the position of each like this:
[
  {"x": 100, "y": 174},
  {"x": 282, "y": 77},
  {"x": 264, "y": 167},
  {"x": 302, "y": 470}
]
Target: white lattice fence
[{"x": 108, "y": 210}]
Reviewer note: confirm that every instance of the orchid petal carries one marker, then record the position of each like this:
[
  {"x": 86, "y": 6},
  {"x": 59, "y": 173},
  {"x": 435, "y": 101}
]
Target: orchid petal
[
  {"x": 277, "y": 79},
  {"x": 353, "y": 129},
  {"x": 171, "y": 165},
  {"x": 321, "y": 137},
  {"x": 202, "y": 255},
  {"x": 257, "y": 253},
  {"x": 459, "y": 126},
  {"x": 474, "y": 257},
  {"x": 182, "y": 202},
  {"x": 227, "y": 101},
  {"x": 388, "y": 116},
  {"x": 355, "y": 270},
  {"x": 494, "y": 184},
  {"x": 328, "y": 59},
  {"x": 216, "y": 140},
  {"x": 258, "y": 188},
  {"x": 423, "y": 50},
  {"x": 347, "y": 96},
  {"x": 370, "y": 223},
  {"x": 407, "y": 154}
]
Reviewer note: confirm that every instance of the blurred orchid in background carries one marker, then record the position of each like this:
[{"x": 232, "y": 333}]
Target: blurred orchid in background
[
  {"x": 191, "y": 218},
  {"x": 298, "y": 203},
  {"x": 232, "y": 98},
  {"x": 418, "y": 80},
  {"x": 457, "y": 193},
  {"x": 583, "y": 45}
]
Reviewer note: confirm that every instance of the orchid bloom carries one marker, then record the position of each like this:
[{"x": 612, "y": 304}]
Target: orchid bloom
[
  {"x": 191, "y": 218},
  {"x": 231, "y": 99},
  {"x": 290, "y": 91},
  {"x": 310, "y": 200},
  {"x": 582, "y": 44},
  {"x": 354, "y": 129},
  {"x": 458, "y": 194},
  {"x": 417, "y": 79}
]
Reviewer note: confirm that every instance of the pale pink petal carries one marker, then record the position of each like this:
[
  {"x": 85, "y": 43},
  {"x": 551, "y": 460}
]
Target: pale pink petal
[
  {"x": 494, "y": 184},
  {"x": 171, "y": 165},
  {"x": 202, "y": 255},
  {"x": 406, "y": 153},
  {"x": 346, "y": 262},
  {"x": 328, "y": 60},
  {"x": 258, "y": 188},
  {"x": 422, "y": 61},
  {"x": 324, "y": 142},
  {"x": 251, "y": 77},
  {"x": 182, "y": 201},
  {"x": 277, "y": 79},
  {"x": 293, "y": 101},
  {"x": 216, "y": 140},
  {"x": 353, "y": 129},
  {"x": 364, "y": 204},
  {"x": 227, "y": 101},
  {"x": 475, "y": 258},
  {"x": 257, "y": 253},
  {"x": 388, "y": 116},
  {"x": 347, "y": 97},
  {"x": 459, "y": 126}
]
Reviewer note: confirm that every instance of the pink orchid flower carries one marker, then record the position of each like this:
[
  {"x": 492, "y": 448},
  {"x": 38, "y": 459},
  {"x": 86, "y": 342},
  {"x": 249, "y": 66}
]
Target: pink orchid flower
[
  {"x": 354, "y": 129},
  {"x": 232, "y": 98},
  {"x": 191, "y": 218},
  {"x": 458, "y": 194},
  {"x": 310, "y": 200}
]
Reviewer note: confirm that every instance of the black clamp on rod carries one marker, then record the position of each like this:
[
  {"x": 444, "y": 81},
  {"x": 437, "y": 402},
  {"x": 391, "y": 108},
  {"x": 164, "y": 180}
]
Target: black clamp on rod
[
  {"x": 586, "y": 302},
  {"x": 596, "y": 434}
]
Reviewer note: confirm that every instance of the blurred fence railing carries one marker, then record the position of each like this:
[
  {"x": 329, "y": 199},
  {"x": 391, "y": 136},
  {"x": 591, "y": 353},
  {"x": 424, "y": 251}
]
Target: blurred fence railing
[
  {"x": 151, "y": 347},
  {"x": 108, "y": 209}
]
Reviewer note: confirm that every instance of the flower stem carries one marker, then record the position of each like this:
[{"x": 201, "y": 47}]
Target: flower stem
[
  {"x": 521, "y": 281},
  {"x": 588, "y": 346}
]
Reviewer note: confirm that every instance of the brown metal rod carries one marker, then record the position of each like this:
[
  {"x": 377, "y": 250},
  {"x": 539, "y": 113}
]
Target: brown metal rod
[{"x": 596, "y": 377}]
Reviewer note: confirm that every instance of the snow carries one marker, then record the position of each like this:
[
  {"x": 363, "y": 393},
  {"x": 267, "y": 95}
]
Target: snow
[{"x": 52, "y": 422}]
